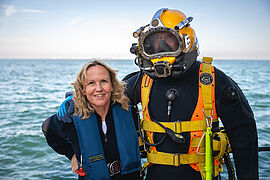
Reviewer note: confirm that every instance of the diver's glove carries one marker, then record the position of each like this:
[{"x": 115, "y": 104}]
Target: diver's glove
[{"x": 66, "y": 109}]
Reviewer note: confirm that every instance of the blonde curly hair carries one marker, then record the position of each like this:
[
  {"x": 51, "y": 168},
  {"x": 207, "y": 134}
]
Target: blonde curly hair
[{"x": 82, "y": 105}]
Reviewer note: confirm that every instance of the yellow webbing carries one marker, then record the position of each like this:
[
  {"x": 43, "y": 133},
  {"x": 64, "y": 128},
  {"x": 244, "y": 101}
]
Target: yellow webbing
[
  {"x": 220, "y": 145},
  {"x": 177, "y": 159},
  {"x": 206, "y": 89},
  {"x": 145, "y": 88},
  {"x": 178, "y": 127},
  {"x": 174, "y": 159},
  {"x": 207, "y": 108},
  {"x": 145, "y": 94},
  {"x": 183, "y": 126}
]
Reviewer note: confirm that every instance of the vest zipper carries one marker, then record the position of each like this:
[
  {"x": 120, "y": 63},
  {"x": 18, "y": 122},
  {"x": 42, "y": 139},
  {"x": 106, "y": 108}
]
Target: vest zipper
[{"x": 106, "y": 139}]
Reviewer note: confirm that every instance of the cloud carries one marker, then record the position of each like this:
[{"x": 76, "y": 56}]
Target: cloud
[
  {"x": 75, "y": 20},
  {"x": 11, "y": 10},
  {"x": 32, "y": 11}
]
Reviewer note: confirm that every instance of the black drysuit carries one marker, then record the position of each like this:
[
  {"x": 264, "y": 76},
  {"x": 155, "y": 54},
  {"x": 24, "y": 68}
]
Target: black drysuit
[{"x": 231, "y": 106}]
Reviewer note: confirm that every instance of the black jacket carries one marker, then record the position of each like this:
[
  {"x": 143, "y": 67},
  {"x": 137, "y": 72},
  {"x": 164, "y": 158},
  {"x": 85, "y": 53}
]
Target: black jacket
[{"x": 232, "y": 108}]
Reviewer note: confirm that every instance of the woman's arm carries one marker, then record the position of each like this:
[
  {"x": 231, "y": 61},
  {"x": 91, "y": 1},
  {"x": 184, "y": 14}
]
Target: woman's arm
[{"x": 52, "y": 129}]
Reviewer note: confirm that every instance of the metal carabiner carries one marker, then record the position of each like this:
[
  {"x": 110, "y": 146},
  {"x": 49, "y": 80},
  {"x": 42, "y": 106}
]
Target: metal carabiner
[{"x": 207, "y": 118}]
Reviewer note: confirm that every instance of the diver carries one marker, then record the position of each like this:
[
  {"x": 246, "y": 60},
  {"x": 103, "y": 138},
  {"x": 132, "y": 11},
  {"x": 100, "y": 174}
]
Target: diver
[{"x": 180, "y": 98}]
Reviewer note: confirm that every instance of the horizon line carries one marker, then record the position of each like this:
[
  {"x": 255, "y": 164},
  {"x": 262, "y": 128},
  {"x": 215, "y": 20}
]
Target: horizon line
[{"x": 108, "y": 59}]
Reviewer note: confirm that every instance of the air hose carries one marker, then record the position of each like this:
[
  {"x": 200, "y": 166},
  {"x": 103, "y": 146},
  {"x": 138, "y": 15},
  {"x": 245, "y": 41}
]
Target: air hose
[
  {"x": 228, "y": 163},
  {"x": 175, "y": 137},
  {"x": 134, "y": 105}
]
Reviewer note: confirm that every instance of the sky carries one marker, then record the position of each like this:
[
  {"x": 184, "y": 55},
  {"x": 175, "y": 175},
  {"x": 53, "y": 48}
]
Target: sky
[{"x": 86, "y": 29}]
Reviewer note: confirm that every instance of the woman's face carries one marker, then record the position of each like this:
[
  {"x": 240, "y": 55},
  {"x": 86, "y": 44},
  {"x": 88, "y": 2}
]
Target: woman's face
[{"x": 99, "y": 87}]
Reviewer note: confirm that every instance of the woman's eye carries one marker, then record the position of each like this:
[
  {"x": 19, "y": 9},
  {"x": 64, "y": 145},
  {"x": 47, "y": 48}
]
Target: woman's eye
[
  {"x": 103, "y": 81},
  {"x": 90, "y": 83}
]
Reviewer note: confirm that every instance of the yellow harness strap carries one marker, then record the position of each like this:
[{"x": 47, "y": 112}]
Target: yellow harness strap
[
  {"x": 207, "y": 109},
  {"x": 174, "y": 159},
  {"x": 178, "y": 126},
  {"x": 177, "y": 159},
  {"x": 145, "y": 94},
  {"x": 206, "y": 89}
]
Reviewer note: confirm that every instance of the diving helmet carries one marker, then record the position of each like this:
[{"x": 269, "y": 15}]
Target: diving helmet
[{"x": 168, "y": 47}]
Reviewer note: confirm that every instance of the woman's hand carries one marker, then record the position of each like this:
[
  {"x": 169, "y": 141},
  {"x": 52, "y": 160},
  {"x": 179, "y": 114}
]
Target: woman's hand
[
  {"x": 74, "y": 164},
  {"x": 66, "y": 110}
]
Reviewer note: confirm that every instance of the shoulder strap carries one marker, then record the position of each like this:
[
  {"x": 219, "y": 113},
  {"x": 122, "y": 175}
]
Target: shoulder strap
[
  {"x": 145, "y": 93},
  {"x": 206, "y": 80}
]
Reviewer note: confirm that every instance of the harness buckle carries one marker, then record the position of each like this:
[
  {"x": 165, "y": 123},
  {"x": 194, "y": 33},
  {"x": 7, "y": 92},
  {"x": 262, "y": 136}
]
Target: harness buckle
[
  {"x": 212, "y": 113},
  {"x": 176, "y": 157},
  {"x": 175, "y": 127},
  {"x": 114, "y": 167},
  {"x": 143, "y": 135}
]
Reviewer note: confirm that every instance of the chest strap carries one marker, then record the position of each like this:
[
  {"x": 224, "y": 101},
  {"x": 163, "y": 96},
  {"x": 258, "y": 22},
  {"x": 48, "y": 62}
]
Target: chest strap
[
  {"x": 177, "y": 159},
  {"x": 177, "y": 126},
  {"x": 174, "y": 159}
]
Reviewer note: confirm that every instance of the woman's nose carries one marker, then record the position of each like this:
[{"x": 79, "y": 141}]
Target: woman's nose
[{"x": 98, "y": 87}]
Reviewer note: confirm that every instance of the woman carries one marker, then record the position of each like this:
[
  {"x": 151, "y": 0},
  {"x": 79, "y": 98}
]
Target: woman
[{"x": 100, "y": 135}]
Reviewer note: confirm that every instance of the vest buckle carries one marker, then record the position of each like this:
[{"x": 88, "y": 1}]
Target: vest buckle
[{"x": 114, "y": 167}]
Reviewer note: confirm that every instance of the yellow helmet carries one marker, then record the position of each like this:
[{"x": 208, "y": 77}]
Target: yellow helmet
[{"x": 168, "y": 36}]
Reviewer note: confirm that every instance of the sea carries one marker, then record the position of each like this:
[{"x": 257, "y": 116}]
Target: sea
[{"x": 32, "y": 90}]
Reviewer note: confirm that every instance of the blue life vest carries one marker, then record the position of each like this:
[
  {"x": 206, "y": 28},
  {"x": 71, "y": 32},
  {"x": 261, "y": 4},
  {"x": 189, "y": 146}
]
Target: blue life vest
[{"x": 91, "y": 147}]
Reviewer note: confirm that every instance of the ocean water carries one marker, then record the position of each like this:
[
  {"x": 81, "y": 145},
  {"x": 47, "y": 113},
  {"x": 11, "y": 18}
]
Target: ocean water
[{"x": 32, "y": 90}]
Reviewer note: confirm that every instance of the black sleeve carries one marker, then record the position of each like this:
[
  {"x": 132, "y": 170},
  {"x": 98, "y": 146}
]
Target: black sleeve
[
  {"x": 52, "y": 129},
  {"x": 239, "y": 123},
  {"x": 133, "y": 89},
  {"x": 131, "y": 80}
]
